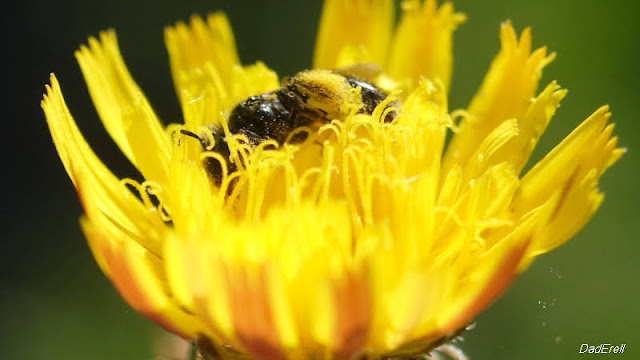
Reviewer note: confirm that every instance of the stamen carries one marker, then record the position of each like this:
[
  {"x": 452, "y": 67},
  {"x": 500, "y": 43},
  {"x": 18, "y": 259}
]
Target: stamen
[
  {"x": 297, "y": 131},
  {"x": 323, "y": 181},
  {"x": 346, "y": 185},
  {"x": 130, "y": 182},
  {"x": 152, "y": 187},
  {"x": 457, "y": 116},
  {"x": 387, "y": 111},
  {"x": 450, "y": 212},
  {"x": 231, "y": 199},
  {"x": 263, "y": 146},
  {"x": 334, "y": 127},
  {"x": 219, "y": 158},
  {"x": 358, "y": 163},
  {"x": 251, "y": 196},
  {"x": 352, "y": 104},
  {"x": 148, "y": 192},
  {"x": 155, "y": 191},
  {"x": 209, "y": 137},
  {"x": 382, "y": 109},
  {"x": 164, "y": 212},
  {"x": 293, "y": 185},
  {"x": 172, "y": 129},
  {"x": 305, "y": 178},
  {"x": 365, "y": 143},
  {"x": 239, "y": 149},
  {"x": 364, "y": 124},
  {"x": 144, "y": 196},
  {"x": 494, "y": 223}
]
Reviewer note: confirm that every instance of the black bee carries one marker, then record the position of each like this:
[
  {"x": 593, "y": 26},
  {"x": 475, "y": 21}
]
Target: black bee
[{"x": 310, "y": 98}]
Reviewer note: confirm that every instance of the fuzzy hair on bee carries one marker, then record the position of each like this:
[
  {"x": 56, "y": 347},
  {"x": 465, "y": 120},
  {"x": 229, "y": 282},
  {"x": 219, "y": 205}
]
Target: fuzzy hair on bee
[{"x": 309, "y": 99}]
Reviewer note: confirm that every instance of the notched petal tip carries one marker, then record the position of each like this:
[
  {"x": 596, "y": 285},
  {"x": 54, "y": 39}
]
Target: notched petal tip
[
  {"x": 422, "y": 43},
  {"x": 47, "y": 90},
  {"x": 353, "y": 24},
  {"x": 203, "y": 59},
  {"x": 123, "y": 108},
  {"x": 506, "y": 92},
  {"x": 69, "y": 143},
  {"x": 508, "y": 33},
  {"x": 567, "y": 179}
]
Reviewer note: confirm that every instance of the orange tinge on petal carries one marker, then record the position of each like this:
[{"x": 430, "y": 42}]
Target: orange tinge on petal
[{"x": 125, "y": 237}]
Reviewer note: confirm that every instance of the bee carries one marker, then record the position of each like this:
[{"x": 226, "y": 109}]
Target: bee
[{"x": 308, "y": 99}]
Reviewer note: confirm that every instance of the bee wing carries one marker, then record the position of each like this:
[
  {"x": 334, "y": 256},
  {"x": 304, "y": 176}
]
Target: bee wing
[{"x": 368, "y": 71}]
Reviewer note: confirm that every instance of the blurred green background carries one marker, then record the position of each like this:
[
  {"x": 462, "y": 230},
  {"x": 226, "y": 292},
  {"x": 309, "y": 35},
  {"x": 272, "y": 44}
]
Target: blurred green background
[{"x": 55, "y": 303}]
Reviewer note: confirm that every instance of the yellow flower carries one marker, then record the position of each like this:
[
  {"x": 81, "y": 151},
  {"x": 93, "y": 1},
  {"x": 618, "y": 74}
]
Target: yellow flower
[{"x": 369, "y": 238}]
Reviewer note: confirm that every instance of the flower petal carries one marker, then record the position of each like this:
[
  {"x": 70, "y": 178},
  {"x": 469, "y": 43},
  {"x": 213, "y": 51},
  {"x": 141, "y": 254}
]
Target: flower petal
[
  {"x": 505, "y": 94},
  {"x": 191, "y": 47},
  {"x": 138, "y": 276},
  {"x": 192, "y": 274},
  {"x": 359, "y": 28},
  {"x": 207, "y": 73},
  {"x": 123, "y": 234},
  {"x": 484, "y": 278},
  {"x": 203, "y": 57},
  {"x": 421, "y": 45},
  {"x": 123, "y": 108},
  {"x": 567, "y": 178},
  {"x": 116, "y": 202},
  {"x": 517, "y": 150}
]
